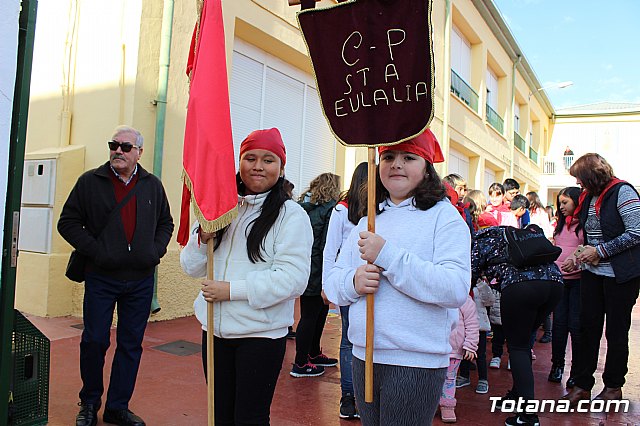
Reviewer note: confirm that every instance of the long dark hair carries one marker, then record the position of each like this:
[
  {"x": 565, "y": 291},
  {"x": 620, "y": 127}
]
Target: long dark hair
[
  {"x": 572, "y": 192},
  {"x": 426, "y": 195},
  {"x": 352, "y": 196},
  {"x": 278, "y": 195}
]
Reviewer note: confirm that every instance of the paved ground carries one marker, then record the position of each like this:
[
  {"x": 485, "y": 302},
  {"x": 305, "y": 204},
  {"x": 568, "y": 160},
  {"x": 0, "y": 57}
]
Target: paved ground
[{"x": 171, "y": 389}]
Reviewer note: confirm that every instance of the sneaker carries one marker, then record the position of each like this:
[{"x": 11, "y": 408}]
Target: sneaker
[
  {"x": 510, "y": 396},
  {"x": 483, "y": 386},
  {"x": 495, "y": 362},
  {"x": 448, "y": 414},
  {"x": 322, "y": 360},
  {"x": 523, "y": 419},
  {"x": 348, "y": 407},
  {"x": 533, "y": 356},
  {"x": 307, "y": 370},
  {"x": 462, "y": 381},
  {"x": 546, "y": 338}
]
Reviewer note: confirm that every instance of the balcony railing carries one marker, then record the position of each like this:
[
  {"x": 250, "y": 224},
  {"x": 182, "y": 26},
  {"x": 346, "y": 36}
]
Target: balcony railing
[
  {"x": 533, "y": 155},
  {"x": 461, "y": 89},
  {"x": 557, "y": 165},
  {"x": 548, "y": 166},
  {"x": 519, "y": 142},
  {"x": 495, "y": 120},
  {"x": 567, "y": 160}
]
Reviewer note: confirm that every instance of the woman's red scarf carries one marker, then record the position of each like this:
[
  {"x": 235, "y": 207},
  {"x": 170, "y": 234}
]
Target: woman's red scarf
[{"x": 598, "y": 205}]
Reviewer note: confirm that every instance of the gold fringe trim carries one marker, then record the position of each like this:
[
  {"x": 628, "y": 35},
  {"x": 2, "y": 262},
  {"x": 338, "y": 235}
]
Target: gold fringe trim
[
  {"x": 199, "y": 7},
  {"x": 208, "y": 225}
]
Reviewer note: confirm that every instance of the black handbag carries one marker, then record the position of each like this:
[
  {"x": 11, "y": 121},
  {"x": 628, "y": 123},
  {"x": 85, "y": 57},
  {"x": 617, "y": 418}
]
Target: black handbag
[
  {"x": 76, "y": 267},
  {"x": 77, "y": 264},
  {"x": 529, "y": 246}
]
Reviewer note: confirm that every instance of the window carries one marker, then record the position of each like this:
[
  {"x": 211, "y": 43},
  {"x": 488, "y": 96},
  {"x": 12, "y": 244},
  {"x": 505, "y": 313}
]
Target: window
[
  {"x": 492, "y": 90},
  {"x": 516, "y": 118},
  {"x": 458, "y": 163},
  {"x": 460, "y": 55}
]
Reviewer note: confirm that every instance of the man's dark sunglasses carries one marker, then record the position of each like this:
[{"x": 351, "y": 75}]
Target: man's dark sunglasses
[{"x": 124, "y": 146}]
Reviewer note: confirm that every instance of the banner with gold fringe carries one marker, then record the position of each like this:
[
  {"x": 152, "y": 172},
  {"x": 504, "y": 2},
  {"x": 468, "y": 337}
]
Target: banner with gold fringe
[{"x": 208, "y": 160}]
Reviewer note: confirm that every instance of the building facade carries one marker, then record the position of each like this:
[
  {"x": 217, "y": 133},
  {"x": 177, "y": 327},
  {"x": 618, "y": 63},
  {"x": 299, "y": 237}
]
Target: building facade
[
  {"x": 608, "y": 128},
  {"x": 102, "y": 63}
]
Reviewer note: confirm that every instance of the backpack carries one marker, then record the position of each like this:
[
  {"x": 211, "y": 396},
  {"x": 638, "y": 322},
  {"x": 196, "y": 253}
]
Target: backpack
[{"x": 528, "y": 246}]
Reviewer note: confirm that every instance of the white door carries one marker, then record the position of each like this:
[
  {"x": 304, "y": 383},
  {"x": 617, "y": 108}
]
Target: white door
[
  {"x": 459, "y": 164},
  {"x": 266, "y": 92}
]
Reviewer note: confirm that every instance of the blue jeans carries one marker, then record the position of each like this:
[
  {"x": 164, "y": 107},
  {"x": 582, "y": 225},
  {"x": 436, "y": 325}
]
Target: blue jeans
[
  {"x": 566, "y": 319},
  {"x": 346, "y": 355},
  {"x": 133, "y": 300}
]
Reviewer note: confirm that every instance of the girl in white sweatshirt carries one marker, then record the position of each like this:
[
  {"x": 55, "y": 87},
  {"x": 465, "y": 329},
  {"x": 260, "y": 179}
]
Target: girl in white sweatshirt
[
  {"x": 419, "y": 271},
  {"x": 261, "y": 264}
]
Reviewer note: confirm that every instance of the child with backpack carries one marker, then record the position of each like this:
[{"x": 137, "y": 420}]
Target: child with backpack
[
  {"x": 464, "y": 344},
  {"x": 528, "y": 293}
]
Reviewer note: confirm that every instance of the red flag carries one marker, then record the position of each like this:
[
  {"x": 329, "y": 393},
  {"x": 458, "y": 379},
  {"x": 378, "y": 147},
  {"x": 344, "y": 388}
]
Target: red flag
[{"x": 208, "y": 160}]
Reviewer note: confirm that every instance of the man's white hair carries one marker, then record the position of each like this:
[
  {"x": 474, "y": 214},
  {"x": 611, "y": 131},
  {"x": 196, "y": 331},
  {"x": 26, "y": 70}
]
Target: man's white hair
[{"x": 128, "y": 129}]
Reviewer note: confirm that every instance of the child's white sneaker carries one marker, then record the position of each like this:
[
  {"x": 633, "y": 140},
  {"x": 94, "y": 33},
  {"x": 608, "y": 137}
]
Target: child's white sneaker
[
  {"x": 483, "y": 386},
  {"x": 495, "y": 362},
  {"x": 448, "y": 414}
]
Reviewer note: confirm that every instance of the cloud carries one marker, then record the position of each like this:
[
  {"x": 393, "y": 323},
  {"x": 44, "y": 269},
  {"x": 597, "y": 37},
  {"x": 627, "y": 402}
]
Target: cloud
[
  {"x": 612, "y": 81},
  {"x": 568, "y": 19},
  {"x": 607, "y": 67}
]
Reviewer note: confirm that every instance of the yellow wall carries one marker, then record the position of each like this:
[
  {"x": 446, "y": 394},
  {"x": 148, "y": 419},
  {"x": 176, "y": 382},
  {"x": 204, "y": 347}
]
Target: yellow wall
[{"x": 96, "y": 66}]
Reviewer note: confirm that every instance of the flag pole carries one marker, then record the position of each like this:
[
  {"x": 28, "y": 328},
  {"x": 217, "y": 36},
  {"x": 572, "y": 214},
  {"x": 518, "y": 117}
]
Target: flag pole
[
  {"x": 210, "y": 328},
  {"x": 371, "y": 227}
]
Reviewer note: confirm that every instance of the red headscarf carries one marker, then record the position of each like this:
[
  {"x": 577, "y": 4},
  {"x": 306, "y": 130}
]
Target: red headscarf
[
  {"x": 268, "y": 139},
  {"x": 425, "y": 145}
]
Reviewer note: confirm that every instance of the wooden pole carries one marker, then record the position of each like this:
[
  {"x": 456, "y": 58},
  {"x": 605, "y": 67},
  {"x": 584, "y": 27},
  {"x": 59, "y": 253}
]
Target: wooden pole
[
  {"x": 371, "y": 227},
  {"x": 210, "y": 328}
]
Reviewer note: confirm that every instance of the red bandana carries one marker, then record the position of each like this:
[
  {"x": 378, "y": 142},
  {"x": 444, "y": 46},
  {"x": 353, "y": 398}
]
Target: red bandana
[{"x": 583, "y": 195}]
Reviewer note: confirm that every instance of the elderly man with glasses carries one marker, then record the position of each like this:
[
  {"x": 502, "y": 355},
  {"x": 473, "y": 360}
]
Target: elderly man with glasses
[{"x": 117, "y": 217}]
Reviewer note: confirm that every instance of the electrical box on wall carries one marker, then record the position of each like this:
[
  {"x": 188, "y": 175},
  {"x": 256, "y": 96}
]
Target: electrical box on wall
[
  {"x": 36, "y": 214},
  {"x": 36, "y": 224},
  {"x": 39, "y": 182}
]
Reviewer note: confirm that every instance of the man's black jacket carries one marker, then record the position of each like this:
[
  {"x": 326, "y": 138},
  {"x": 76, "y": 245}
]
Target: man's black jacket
[{"x": 87, "y": 210}]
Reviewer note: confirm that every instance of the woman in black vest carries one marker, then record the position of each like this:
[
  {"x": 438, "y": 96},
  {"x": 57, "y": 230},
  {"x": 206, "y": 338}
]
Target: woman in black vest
[{"x": 609, "y": 212}]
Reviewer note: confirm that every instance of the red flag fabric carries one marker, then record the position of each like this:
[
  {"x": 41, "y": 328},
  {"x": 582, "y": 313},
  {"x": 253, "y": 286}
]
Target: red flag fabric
[{"x": 208, "y": 160}]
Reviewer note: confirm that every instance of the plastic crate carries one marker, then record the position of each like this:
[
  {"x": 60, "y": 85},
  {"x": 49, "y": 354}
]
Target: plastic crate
[{"x": 29, "y": 387}]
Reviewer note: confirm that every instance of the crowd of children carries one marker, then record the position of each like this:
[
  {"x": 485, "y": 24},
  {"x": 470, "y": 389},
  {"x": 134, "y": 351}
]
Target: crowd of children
[{"x": 424, "y": 264}]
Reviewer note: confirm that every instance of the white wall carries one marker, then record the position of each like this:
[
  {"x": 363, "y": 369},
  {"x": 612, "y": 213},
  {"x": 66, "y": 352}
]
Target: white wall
[{"x": 9, "y": 12}]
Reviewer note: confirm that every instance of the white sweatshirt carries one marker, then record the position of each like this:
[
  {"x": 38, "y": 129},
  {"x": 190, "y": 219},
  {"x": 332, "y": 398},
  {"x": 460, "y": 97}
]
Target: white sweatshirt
[
  {"x": 262, "y": 293},
  {"x": 426, "y": 264},
  {"x": 337, "y": 233}
]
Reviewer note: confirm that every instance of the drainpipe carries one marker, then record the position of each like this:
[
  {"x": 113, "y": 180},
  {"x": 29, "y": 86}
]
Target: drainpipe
[
  {"x": 161, "y": 111},
  {"x": 511, "y": 138},
  {"x": 446, "y": 84}
]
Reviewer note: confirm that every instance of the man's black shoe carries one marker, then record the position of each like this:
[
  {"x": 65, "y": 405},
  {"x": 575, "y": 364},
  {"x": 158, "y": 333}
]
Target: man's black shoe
[
  {"x": 122, "y": 418},
  {"x": 88, "y": 414}
]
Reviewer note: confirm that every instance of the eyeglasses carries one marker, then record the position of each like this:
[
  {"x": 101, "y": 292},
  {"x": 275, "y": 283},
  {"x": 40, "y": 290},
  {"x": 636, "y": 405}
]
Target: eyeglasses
[{"x": 124, "y": 146}]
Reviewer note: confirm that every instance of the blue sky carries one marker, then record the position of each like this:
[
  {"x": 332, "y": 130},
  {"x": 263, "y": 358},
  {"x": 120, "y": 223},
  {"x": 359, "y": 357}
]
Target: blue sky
[{"x": 595, "y": 44}]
